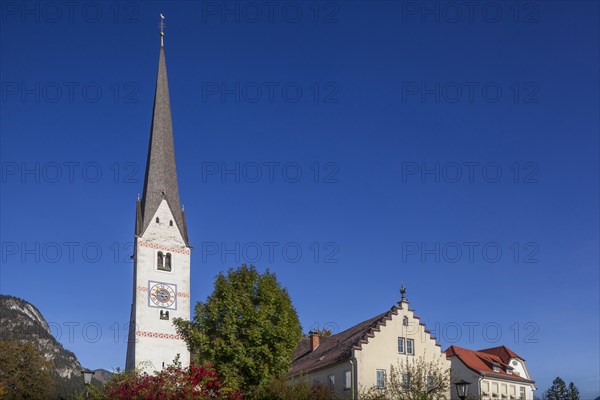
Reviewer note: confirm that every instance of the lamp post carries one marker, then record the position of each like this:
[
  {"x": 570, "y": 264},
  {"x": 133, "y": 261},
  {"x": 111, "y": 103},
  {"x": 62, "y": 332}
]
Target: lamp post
[
  {"x": 87, "y": 379},
  {"x": 462, "y": 389}
]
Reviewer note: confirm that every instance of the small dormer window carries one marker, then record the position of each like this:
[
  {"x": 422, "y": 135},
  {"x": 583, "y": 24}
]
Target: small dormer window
[
  {"x": 509, "y": 371},
  {"x": 496, "y": 369},
  {"x": 157, "y": 220},
  {"x": 171, "y": 223}
]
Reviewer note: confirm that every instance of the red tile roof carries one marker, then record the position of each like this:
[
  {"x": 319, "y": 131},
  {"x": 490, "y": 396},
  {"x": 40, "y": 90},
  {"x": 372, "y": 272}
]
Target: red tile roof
[
  {"x": 483, "y": 361},
  {"x": 503, "y": 352}
]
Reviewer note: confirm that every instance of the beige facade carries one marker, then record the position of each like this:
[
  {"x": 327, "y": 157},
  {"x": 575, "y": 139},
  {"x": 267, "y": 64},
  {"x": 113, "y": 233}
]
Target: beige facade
[{"x": 381, "y": 352}]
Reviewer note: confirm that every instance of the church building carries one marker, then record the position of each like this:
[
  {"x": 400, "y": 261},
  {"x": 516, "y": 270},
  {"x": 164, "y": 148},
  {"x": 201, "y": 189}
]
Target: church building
[{"x": 161, "y": 276}]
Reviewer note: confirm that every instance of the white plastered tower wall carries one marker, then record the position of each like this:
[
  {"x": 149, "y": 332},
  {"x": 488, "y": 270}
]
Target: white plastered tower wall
[{"x": 156, "y": 340}]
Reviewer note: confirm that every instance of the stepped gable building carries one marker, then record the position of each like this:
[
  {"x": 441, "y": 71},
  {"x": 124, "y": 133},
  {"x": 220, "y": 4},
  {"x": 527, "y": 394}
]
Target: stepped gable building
[{"x": 361, "y": 357}]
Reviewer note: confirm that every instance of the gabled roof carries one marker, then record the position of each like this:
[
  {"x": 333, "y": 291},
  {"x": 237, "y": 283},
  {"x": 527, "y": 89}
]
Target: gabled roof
[
  {"x": 160, "y": 181},
  {"x": 483, "y": 361},
  {"x": 503, "y": 352},
  {"x": 331, "y": 349},
  {"x": 338, "y": 347}
]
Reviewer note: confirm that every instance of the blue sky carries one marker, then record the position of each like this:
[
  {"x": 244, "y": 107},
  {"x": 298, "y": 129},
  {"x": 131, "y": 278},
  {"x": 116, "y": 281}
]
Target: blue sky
[{"x": 350, "y": 147}]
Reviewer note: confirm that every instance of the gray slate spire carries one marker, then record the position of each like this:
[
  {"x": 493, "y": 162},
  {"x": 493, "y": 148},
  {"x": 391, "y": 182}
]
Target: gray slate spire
[{"x": 161, "y": 175}]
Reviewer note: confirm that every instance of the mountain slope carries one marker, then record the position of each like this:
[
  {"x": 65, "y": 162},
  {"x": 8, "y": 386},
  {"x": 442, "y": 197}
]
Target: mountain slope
[{"x": 21, "y": 320}]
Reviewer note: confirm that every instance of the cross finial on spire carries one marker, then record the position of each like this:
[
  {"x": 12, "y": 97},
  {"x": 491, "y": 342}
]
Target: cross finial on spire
[
  {"x": 162, "y": 25},
  {"x": 403, "y": 292}
]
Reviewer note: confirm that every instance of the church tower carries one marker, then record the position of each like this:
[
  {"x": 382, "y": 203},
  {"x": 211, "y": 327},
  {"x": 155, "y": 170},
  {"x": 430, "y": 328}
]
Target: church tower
[{"x": 161, "y": 277}]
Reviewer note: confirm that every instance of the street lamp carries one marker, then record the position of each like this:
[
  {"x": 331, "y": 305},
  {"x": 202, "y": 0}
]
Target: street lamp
[
  {"x": 87, "y": 379},
  {"x": 462, "y": 389}
]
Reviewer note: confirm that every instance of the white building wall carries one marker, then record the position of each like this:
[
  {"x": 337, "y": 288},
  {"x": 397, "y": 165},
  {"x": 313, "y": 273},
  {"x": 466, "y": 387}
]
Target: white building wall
[
  {"x": 156, "y": 340},
  {"x": 488, "y": 388}
]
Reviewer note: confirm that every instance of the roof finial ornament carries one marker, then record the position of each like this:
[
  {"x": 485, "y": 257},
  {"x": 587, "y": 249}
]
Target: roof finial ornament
[
  {"x": 161, "y": 25},
  {"x": 403, "y": 293}
]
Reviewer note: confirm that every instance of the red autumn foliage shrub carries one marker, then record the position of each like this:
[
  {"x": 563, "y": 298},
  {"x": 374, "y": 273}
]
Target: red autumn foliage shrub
[{"x": 172, "y": 383}]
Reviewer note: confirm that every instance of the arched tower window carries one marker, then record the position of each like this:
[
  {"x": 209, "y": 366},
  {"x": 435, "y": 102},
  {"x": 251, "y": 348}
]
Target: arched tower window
[
  {"x": 405, "y": 321},
  {"x": 168, "y": 262},
  {"x": 157, "y": 220},
  {"x": 160, "y": 260}
]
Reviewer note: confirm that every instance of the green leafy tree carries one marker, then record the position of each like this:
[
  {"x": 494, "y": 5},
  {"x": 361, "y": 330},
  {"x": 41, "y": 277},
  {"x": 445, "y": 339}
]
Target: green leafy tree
[
  {"x": 572, "y": 392},
  {"x": 247, "y": 328},
  {"x": 414, "y": 379},
  {"x": 24, "y": 372},
  {"x": 558, "y": 390}
]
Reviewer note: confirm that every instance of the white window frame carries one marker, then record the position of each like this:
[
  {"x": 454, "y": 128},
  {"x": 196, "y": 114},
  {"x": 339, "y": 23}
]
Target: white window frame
[
  {"x": 430, "y": 382},
  {"x": 331, "y": 381},
  {"x": 410, "y": 342},
  {"x": 403, "y": 341},
  {"x": 378, "y": 373},
  {"x": 347, "y": 379},
  {"x": 405, "y": 382}
]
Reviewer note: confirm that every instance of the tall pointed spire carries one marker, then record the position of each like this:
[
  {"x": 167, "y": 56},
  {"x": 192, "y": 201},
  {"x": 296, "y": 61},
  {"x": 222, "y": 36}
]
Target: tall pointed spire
[{"x": 160, "y": 181}]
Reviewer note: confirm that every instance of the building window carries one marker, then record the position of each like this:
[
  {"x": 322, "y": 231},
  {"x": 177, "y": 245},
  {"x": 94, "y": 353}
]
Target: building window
[
  {"x": 405, "y": 321},
  {"x": 405, "y": 382},
  {"x": 331, "y": 381},
  {"x": 171, "y": 223},
  {"x": 347, "y": 379},
  {"x": 380, "y": 374},
  {"x": 410, "y": 347},
  {"x": 509, "y": 371},
  {"x": 157, "y": 220},
  {"x": 164, "y": 315},
  {"x": 163, "y": 261},
  {"x": 522, "y": 393},
  {"x": 430, "y": 382},
  {"x": 485, "y": 389},
  {"x": 496, "y": 369},
  {"x": 168, "y": 262},
  {"x": 401, "y": 348}
]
